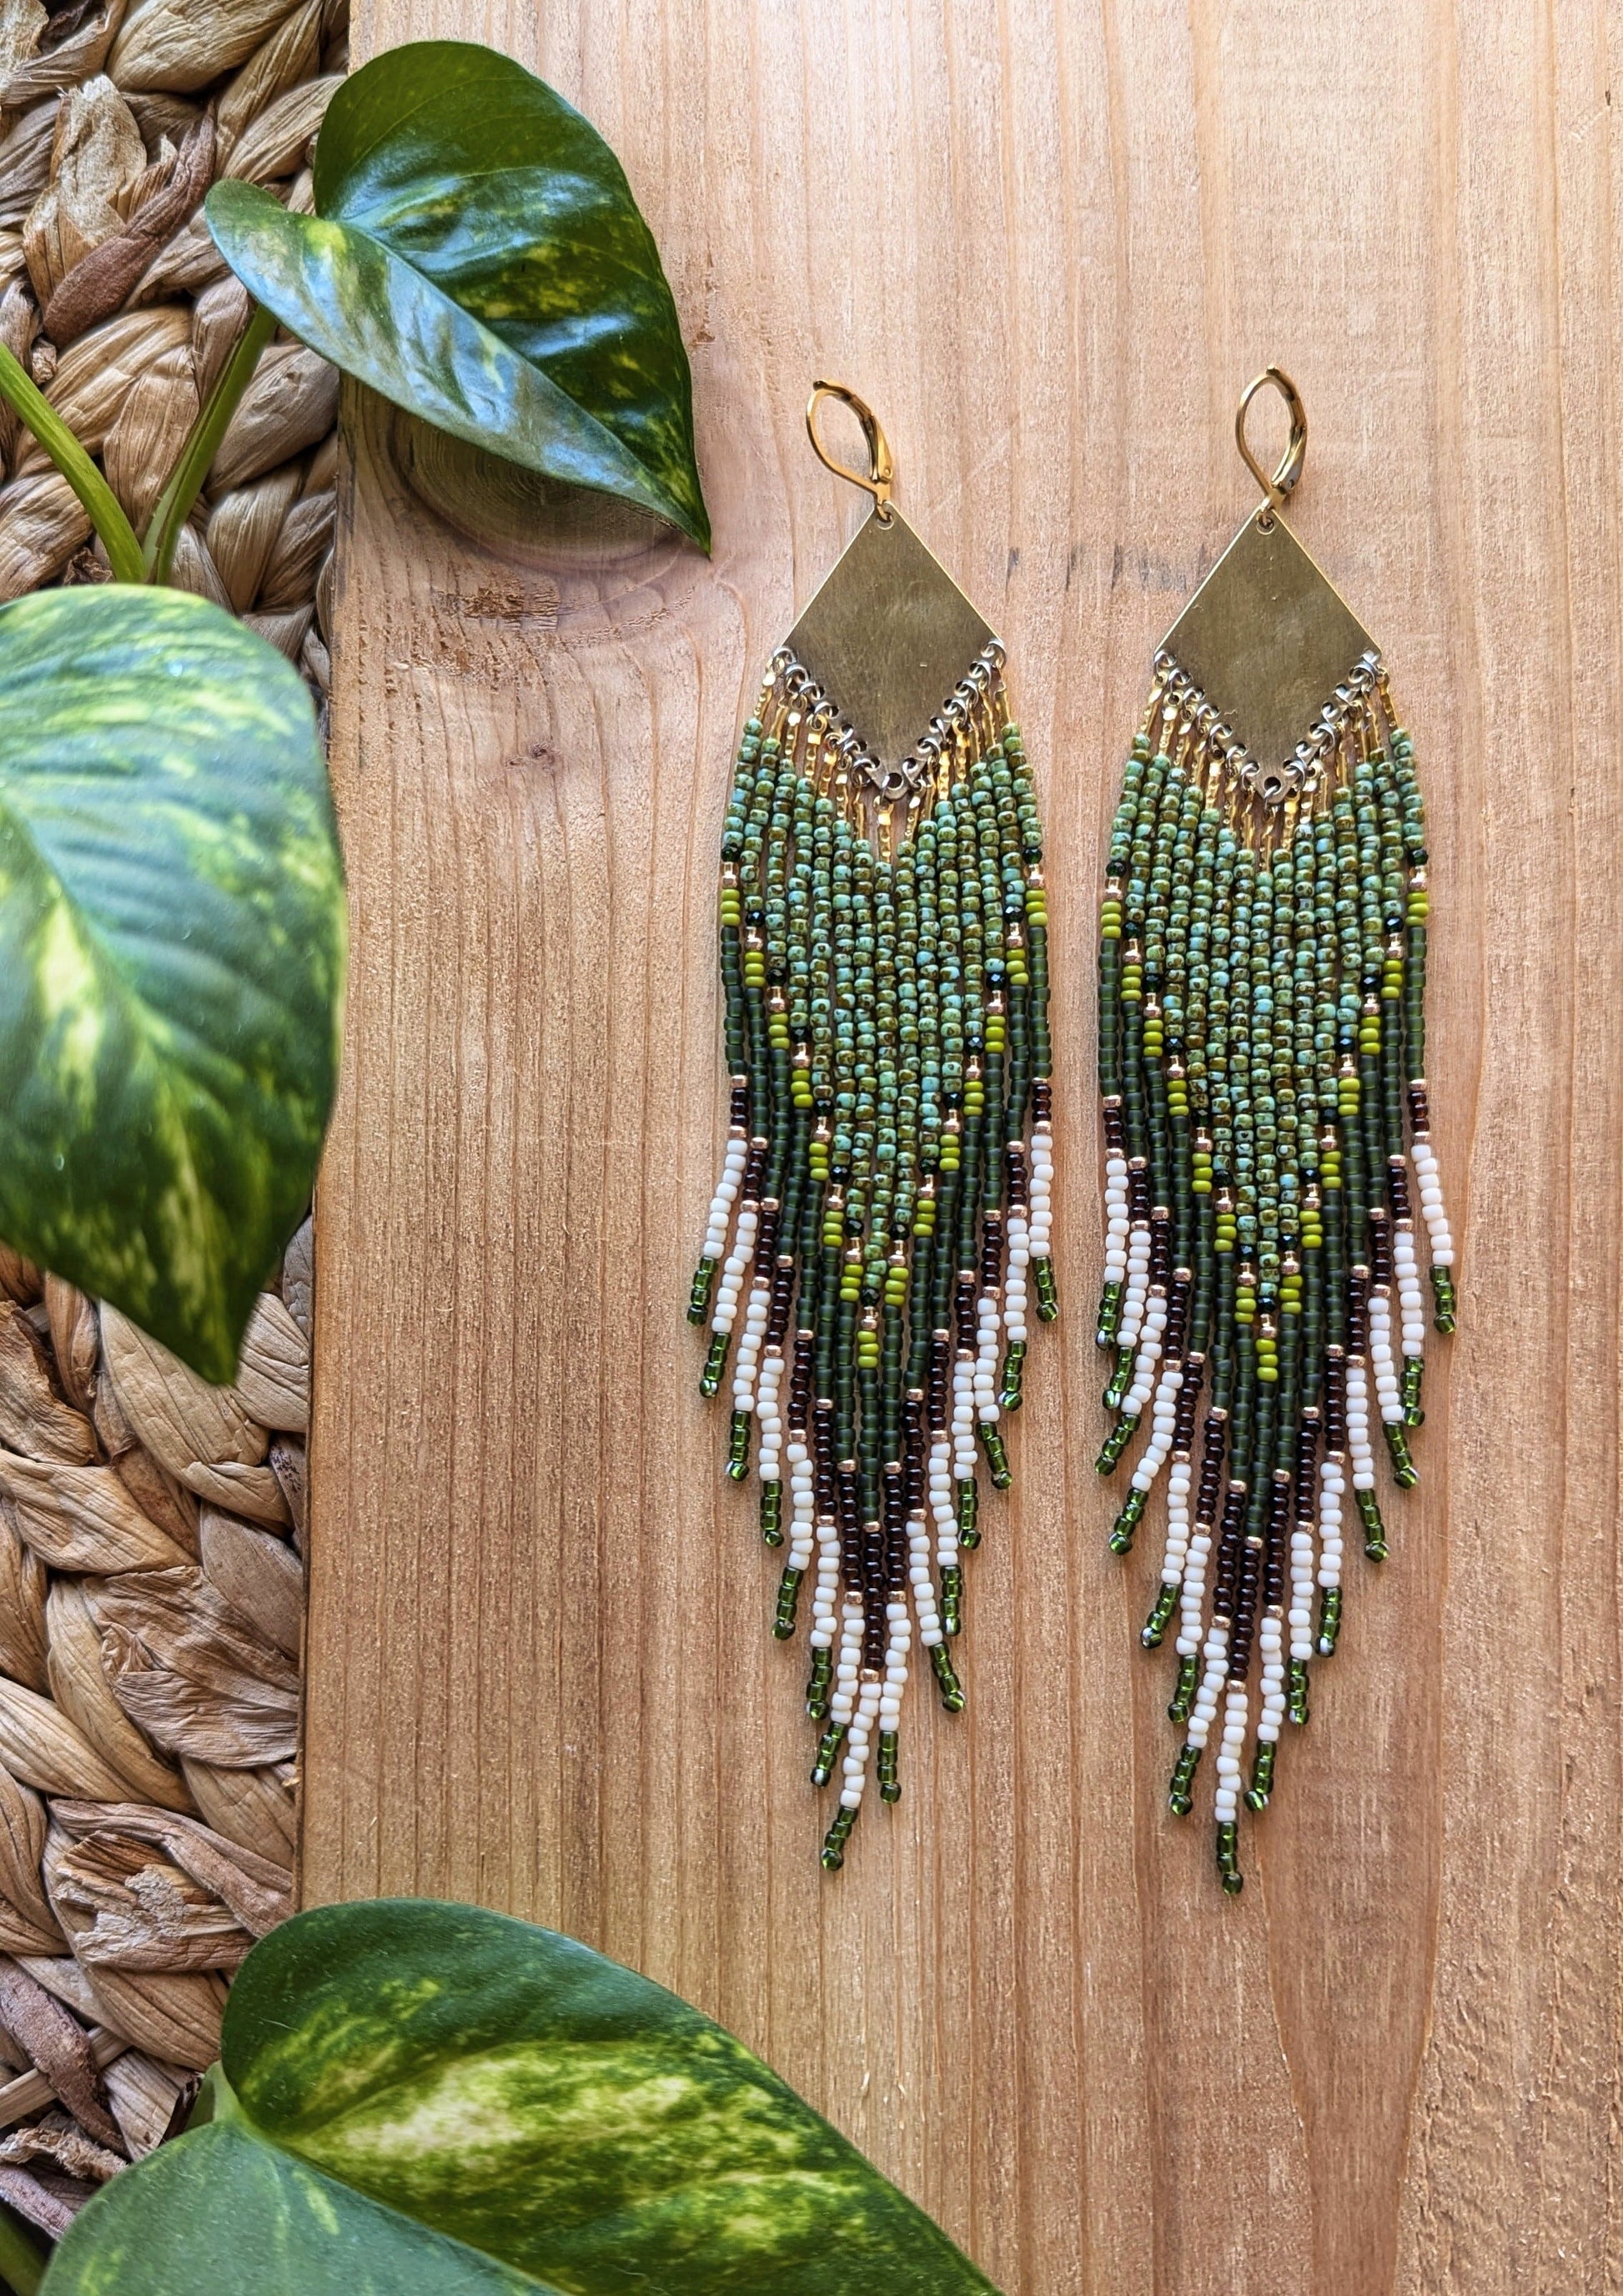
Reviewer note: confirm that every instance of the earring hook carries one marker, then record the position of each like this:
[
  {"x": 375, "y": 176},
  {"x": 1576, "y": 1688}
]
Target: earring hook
[
  {"x": 881, "y": 469},
  {"x": 1296, "y": 450}
]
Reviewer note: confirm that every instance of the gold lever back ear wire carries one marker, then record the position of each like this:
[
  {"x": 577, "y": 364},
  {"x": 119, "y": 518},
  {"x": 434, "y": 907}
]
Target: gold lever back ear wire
[
  {"x": 1277, "y": 488},
  {"x": 881, "y": 469},
  {"x": 884, "y": 1201}
]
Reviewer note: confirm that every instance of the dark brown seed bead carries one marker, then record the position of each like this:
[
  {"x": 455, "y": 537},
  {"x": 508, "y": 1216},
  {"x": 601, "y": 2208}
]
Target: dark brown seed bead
[
  {"x": 850, "y": 1530},
  {"x": 1397, "y": 1184},
  {"x": 1177, "y": 1313},
  {"x": 1160, "y": 1246},
  {"x": 1245, "y": 1612},
  {"x": 755, "y": 1169},
  {"x": 1279, "y": 1516},
  {"x": 1212, "y": 1468},
  {"x": 1335, "y": 1399},
  {"x": 1042, "y": 1101},
  {"x": 799, "y": 1382},
  {"x": 1188, "y": 1404},
  {"x": 896, "y": 1532},
  {"x": 738, "y": 1104},
  {"x": 1138, "y": 1191},
  {"x": 1016, "y": 1183},
  {"x": 1230, "y": 1539},
  {"x": 968, "y": 1325},
  {"x": 822, "y": 1456},
  {"x": 913, "y": 1426},
  {"x": 1115, "y": 1136},
  {"x": 991, "y": 1251},
  {"x": 941, "y": 1356},
  {"x": 1306, "y": 1446},
  {"x": 783, "y": 1300},
  {"x": 1381, "y": 1247},
  {"x": 1420, "y": 1112},
  {"x": 1357, "y": 1311}
]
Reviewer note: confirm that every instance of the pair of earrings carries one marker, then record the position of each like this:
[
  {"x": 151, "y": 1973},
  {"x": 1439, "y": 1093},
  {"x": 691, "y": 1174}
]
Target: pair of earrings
[{"x": 880, "y": 1235}]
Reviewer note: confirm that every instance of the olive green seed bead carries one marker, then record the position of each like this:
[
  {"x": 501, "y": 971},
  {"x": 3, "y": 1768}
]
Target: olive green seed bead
[
  {"x": 820, "y": 1685},
  {"x": 715, "y": 1365},
  {"x": 1012, "y": 1395},
  {"x": 969, "y": 1513},
  {"x": 1180, "y": 1801},
  {"x": 1127, "y": 1521},
  {"x": 889, "y": 1784},
  {"x": 1262, "y": 1776},
  {"x": 997, "y": 1457},
  {"x": 828, "y": 1753},
  {"x": 772, "y": 1513},
  {"x": 1182, "y": 1705},
  {"x": 1330, "y": 1620},
  {"x": 952, "y": 1599},
  {"x": 1115, "y": 1443},
  {"x": 1442, "y": 1289},
  {"x": 1405, "y": 1473},
  {"x": 789, "y": 1595},
  {"x": 1229, "y": 1858},
  {"x": 839, "y": 1834},
  {"x": 1296, "y": 1690},
  {"x": 1375, "y": 1530},
  {"x": 1047, "y": 1289},
  {"x": 946, "y": 1678},
  {"x": 1414, "y": 1372},
  {"x": 698, "y": 1299},
  {"x": 1153, "y": 1632},
  {"x": 738, "y": 1446}
]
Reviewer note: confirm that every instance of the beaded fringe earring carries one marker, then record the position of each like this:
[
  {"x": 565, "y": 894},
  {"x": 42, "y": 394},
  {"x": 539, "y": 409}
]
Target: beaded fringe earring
[
  {"x": 883, "y": 1213},
  {"x": 1262, "y": 963}
]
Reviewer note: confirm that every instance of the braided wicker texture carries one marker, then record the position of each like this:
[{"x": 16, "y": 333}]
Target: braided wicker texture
[{"x": 150, "y": 1528}]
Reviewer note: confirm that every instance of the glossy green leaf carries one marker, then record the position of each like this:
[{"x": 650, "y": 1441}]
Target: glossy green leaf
[
  {"x": 517, "y": 2112},
  {"x": 171, "y": 955},
  {"x": 477, "y": 256}
]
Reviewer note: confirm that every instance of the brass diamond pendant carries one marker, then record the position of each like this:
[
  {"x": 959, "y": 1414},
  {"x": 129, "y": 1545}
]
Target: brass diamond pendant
[
  {"x": 888, "y": 636},
  {"x": 1267, "y": 637}
]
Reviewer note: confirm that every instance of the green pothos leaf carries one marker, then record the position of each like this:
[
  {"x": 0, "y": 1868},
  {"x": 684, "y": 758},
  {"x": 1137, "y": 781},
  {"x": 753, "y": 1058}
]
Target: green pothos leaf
[
  {"x": 477, "y": 256},
  {"x": 426, "y": 2099},
  {"x": 171, "y": 955}
]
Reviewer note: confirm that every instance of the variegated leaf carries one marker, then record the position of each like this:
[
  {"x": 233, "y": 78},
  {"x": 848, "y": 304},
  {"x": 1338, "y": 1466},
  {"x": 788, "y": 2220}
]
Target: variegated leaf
[
  {"x": 477, "y": 256},
  {"x": 171, "y": 955},
  {"x": 433, "y": 2101}
]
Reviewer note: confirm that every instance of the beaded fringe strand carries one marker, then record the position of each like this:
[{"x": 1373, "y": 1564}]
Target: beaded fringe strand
[
  {"x": 1261, "y": 1038},
  {"x": 884, "y": 1207}
]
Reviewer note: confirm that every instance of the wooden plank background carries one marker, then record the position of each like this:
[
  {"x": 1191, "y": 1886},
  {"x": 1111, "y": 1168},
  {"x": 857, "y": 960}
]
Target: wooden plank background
[{"x": 1049, "y": 241}]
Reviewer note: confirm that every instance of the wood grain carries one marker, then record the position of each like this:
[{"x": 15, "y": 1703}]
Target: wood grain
[{"x": 1049, "y": 242}]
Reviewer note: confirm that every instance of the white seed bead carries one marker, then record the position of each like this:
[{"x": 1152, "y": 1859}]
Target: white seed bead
[
  {"x": 1137, "y": 1286},
  {"x": 726, "y": 1195},
  {"x": 1270, "y": 1641},
  {"x": 1431, "y": 1204},
  {"x": 1389, "y": 1397},
  {"x": 828, "y": 1581},
  {"x": 1194, "y": 1591},
  {"x": 732, "y": 1274},
  {"x": 749, "y": 1345},
  {"x": 1162, "y": 1423},
  {"x": 1330, "y": 1521},
  {"x": 1302, "y": 1591},
  {"x": 941, "y": 1503},
  {"x": 1357, "y": 1426}
]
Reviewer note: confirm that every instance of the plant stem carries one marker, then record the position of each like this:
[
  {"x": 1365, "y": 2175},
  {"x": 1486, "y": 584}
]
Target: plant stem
[
  {"x": 18, "y": 391},
  {"x": 23, "y": 2262},
  {"x": 174, "y": 505}
]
